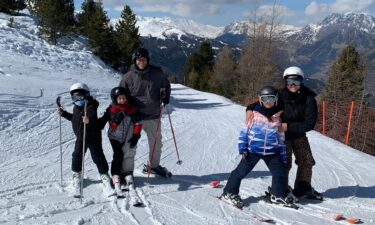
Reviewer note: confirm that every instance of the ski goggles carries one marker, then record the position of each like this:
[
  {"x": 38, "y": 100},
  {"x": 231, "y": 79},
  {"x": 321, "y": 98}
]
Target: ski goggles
[
  {"x": 268, "y": 98},
  {"x": 77, "y": 97},
  {"x": 293, "y": 81}
]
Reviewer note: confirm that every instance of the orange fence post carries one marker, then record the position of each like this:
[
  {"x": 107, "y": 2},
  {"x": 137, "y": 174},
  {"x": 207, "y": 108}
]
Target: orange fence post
[
  {"x": 349, "y": 122},
  {"x": 324, "y": 117}
]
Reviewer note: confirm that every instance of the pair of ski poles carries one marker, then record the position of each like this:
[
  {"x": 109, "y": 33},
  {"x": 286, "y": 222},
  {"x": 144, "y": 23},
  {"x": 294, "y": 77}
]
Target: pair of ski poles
[{"x": 179, "y": 162}]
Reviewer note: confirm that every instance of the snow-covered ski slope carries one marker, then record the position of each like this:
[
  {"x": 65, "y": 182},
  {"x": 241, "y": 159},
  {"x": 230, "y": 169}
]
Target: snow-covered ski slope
[{"x": 33, "y": 73}]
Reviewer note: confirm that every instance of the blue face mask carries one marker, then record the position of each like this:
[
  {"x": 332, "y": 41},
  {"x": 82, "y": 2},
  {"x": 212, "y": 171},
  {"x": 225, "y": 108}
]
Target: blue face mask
[{"x": 79, "y": 103}]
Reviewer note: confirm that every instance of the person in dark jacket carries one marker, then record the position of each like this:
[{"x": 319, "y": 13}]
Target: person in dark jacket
[
  {"x": 80, "y": 94},
  {"x": 149, "y": 90},
  {"x": 299, "y": 117}
]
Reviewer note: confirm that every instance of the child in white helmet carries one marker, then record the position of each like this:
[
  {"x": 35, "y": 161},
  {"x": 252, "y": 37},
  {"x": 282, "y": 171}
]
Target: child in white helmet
[{"x": 80, "y": 95}]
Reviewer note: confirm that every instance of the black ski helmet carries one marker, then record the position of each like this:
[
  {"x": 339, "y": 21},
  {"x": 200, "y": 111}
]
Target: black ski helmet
[
  {"x": 115, "y": 92},
  {"x": 140, "y": 52},
  {"x": 268, "y": 90}
]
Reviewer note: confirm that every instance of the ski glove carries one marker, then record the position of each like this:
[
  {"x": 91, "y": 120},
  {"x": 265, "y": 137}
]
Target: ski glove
[
  {"x": 118, "y": 117},
  {"x": 134, "y": 140}
]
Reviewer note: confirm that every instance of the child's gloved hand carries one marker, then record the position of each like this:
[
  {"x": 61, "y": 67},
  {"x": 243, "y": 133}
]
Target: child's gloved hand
[
  {"x": 244, "y": 155},
  {"x": 118, "y": 117},
  {"x": 134, "y": 140}
]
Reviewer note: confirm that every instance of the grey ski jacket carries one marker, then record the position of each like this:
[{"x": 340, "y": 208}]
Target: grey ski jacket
[{"x": 145, "y": 90}]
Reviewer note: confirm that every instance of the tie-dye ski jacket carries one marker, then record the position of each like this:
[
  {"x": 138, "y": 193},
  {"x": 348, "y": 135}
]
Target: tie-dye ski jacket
[{"x": 261, "y": 135}]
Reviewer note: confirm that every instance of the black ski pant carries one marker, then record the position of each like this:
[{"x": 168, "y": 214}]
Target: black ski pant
[
  {"x": 300, "y": 147},
  {"x": 97, "y": 155},
  {"x": 274, "y": 163},
  {"x": 118, "y": 157}
]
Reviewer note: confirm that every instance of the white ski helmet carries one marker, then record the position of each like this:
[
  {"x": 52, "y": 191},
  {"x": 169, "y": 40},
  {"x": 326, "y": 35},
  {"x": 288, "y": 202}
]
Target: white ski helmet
[
  {"x": 293, "y": 70},
  {"x": 82, "y": 87}
]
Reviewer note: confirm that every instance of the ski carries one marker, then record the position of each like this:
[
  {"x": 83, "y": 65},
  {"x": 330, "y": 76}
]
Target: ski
[
  {"x": 252, "y": 214},
  {"x": 135, "y": 200},
  {"x": 340, "y": 217}
]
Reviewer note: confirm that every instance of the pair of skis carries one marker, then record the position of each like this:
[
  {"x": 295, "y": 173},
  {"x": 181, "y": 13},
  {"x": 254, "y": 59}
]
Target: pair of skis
[{"x": 252, "y": 214}]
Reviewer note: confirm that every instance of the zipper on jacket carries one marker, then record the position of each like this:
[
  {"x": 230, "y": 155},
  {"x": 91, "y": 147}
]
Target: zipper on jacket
[{"x": 265, "y": 140}]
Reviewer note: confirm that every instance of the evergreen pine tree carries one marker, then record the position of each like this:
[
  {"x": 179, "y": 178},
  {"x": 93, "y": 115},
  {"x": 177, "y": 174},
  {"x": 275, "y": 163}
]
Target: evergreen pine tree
[
  {"x": 93, "y": 22},
  {"x": 127, "y": 37},
  {"x": 88, "y": 9},
  {"x": 199, "y": 67},
  {"x": 346, "y": 81},
  {"x": 55, "y": 18},
  {"x": 12, "y": 6}
]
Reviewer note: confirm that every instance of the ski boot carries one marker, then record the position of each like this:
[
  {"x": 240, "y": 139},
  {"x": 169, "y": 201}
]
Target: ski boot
[
  {"x": 288, "y": 201},
  {"x": 313, "y": 194},
  {"x": 76, "y": 184},
  {"x": 159, "y": 170},
  {"x": 232, "y": 199},
  {"x": 117, "y": 184},
  {"x": 107, "y": 188},
  {"x": 290, "y": 195},
  {"x": 135, "y": 200}
]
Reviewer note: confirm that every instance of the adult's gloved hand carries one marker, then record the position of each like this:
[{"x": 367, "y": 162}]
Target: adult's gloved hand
[
  {"x": 118, "y": 117},
  {"x": 134, "y": 140}
]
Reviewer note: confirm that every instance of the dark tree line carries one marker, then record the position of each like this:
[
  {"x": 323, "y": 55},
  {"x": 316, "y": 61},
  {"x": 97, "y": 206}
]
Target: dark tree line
[{"x": 12, "y": 6}]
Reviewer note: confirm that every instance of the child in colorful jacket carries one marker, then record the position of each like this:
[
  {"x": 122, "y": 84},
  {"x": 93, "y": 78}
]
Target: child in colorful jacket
[
  {"x": 263, "y": 139},
  {"x": 124, "y": 132}
]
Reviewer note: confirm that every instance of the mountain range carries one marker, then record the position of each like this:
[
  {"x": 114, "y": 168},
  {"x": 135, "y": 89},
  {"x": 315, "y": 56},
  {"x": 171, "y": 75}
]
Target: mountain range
[{"x": 313, "y": 47}]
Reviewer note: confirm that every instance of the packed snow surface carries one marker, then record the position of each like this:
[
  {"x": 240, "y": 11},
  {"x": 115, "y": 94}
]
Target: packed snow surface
[{"x": 33, "y": 73}]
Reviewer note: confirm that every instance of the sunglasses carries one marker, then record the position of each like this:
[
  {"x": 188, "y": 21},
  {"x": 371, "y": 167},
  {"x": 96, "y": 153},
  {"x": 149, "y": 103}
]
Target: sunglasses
[
  {"x": 293, "y": 81},
  {"x": 268, "y": 98}
]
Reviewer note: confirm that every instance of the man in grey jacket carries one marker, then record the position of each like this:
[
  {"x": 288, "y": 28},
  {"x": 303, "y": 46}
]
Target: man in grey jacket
[{"x": 150, "y": 90}]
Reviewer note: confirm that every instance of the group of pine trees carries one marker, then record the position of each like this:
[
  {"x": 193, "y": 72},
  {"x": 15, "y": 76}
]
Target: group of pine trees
[
  {"x": 12, "y": 6},
  {"x": 56, "y": 19}
]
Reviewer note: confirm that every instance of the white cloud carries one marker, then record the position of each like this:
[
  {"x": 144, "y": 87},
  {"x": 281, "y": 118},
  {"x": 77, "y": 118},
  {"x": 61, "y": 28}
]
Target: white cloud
[
  {"x": 191, "y": 8},
  {"x": 266, "y": 10},
  {"x": 339, "y": 6}
]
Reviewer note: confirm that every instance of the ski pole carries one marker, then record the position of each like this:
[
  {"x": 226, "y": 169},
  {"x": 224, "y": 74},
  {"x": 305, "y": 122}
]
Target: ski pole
[
  {"x": 83, "y": 152},
  {"x": 154, "y": 145},
  {"x": 61, "y": 176},
  {"x": 179, "y": 162}
]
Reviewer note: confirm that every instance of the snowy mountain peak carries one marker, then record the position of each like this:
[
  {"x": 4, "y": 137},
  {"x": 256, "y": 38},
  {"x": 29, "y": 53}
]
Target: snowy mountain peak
[
  {"x": 339, "y": 23},
  {"x": 362, "y": 21},
  {"x": 238, "y": 27},
  {"x": 166, "y": 26}
]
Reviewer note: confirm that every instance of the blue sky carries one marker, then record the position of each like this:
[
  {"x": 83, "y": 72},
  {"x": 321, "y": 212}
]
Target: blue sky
[{"x": 222, "y": 12}]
